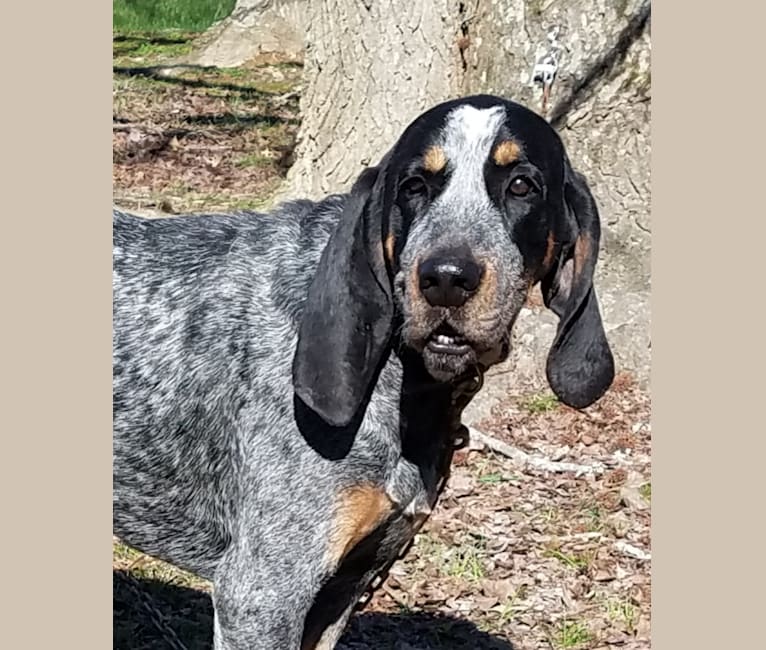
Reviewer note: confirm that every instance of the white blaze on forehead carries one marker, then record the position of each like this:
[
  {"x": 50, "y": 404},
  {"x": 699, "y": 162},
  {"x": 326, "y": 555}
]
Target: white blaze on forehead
[{"x": 467, "y": 139}]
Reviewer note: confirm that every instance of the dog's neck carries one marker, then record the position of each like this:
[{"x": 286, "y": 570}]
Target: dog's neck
[
  {"x": 429, "y": 432},
  {"x": 431, "y": 410}
]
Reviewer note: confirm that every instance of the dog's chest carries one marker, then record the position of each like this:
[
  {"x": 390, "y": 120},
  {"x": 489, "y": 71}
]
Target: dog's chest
[
  {"x": 414, "y": 488},
  {"x": 413, "y": 491}
]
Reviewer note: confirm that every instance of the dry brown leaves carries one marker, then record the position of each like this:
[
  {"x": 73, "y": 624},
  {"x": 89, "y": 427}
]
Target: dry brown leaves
[
  {"x": 535, "y": 560},
  {"x": 202, "y": 140}
]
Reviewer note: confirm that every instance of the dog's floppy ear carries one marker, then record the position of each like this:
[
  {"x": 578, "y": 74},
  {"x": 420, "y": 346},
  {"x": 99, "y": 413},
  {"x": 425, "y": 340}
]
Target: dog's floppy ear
[
  {"x": 580, "y": 365},
  {"x": 348, "y": 314}
]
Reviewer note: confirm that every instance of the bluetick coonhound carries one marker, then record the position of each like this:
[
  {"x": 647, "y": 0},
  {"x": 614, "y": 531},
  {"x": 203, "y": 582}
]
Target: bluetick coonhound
[{"x": 288, "y": 387}]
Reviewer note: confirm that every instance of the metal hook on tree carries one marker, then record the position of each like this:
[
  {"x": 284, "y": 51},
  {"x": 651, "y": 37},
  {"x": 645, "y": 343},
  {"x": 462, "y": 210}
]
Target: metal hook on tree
[{"x": 546, "y": 68}]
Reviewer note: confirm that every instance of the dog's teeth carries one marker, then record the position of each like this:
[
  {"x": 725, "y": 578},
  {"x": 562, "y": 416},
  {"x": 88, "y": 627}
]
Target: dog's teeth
[{"x": 445, "y": 340}]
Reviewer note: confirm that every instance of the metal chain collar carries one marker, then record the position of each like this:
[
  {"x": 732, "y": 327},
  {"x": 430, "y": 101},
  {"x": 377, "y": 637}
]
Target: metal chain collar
[{"x": 464, "y": 390}]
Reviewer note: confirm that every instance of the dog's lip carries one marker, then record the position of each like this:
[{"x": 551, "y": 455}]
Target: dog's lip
[
  {"x": 448, "y": 348},
  {"x": 445, "y": 340}
]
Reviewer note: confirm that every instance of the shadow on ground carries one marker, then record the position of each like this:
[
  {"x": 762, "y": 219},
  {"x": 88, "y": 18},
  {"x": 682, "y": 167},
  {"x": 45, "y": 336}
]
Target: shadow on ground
[
  {"x": 159, "y": 73},
  {"x": 153, "y": 39},
  {"x": 143, "y": 607}
]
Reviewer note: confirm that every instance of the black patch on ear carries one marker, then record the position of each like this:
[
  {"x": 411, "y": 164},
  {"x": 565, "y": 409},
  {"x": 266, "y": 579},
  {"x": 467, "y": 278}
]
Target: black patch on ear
[
  {"x": 347, "y": 319},
  {"x": 580, "y": 365}
]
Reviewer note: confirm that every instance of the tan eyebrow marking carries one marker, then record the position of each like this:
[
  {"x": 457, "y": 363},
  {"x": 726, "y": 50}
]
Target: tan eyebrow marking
[
  {"x": 435, "y": 160},
  {"x": 506, "y": 152}
]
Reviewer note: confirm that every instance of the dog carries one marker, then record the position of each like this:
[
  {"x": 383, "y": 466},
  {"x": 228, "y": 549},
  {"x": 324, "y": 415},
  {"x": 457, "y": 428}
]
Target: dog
[{"x": 288, "y": 387}]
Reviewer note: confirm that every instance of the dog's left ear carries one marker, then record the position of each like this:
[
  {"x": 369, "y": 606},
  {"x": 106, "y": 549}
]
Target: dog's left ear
[
  {"x": 348, "y": 315},
  {"x": 580, "y": 365}
]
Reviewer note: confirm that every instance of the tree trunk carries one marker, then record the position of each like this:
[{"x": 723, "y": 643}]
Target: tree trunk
[
  {"x": 254, "y": 29},
  {"x": 600, "y": 103},
  {"x": 371, "y": 66}
]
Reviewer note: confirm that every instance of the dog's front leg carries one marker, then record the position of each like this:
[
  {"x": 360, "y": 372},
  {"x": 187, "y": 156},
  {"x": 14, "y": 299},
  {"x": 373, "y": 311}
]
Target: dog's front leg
[
  {"x": 265, "y": 585},
  {"x": 261, "y": 607}
]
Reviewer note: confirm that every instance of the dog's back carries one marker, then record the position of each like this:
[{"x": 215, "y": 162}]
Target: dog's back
[{"x": 205, "y": 313}]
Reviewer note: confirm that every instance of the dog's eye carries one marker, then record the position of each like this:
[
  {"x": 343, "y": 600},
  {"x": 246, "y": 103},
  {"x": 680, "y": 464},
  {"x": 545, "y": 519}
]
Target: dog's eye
[
  {"x": 520, "y": 186},
  {"x": 414, "y": 187}
]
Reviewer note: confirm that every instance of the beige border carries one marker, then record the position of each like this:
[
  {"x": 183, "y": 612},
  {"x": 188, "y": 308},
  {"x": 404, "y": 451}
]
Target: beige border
[
  {"x": 56, "y": 397},
  {"x": 707, "y": 552},
  {"x": 707, "y": 380}
]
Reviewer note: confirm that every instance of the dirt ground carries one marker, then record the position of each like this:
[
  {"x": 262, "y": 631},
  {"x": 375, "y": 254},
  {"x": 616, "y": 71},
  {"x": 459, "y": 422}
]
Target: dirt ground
[
  {"x": 514, "y": 556},
  {"x": 187, "y": 138}
]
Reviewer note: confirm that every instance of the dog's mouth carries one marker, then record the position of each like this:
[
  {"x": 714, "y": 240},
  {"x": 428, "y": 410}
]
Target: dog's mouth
[
  {"x": 447, "y": 353},
  {"x": 446, "y": 340}
]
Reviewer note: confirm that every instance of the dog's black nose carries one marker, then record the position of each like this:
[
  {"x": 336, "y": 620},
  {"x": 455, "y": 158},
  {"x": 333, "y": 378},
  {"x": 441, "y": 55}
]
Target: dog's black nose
[{"x": 448, "y": 281}]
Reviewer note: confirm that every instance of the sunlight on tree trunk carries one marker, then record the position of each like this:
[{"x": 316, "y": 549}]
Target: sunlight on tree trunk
[
  {"x": 255, "y": 28},
  {"x": 370, "y": 68}
]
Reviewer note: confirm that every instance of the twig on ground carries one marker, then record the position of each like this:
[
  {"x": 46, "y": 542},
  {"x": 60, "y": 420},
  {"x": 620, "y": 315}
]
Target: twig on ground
[
  {"x": 140, "y": 561},
  {"x": 632, "y": 551},
  {"x": 393, "y": 595},
  {"x": 281, "y": 100},
  {"x": 135, "y": 126},
  {"x": 533, "y": 462},
  {"x": 150, "y": 129},
  {"x": 574, "y": 537}
]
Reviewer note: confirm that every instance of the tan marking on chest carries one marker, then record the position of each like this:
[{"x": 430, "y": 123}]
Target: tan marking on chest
[{"x": 360, "y": 509}]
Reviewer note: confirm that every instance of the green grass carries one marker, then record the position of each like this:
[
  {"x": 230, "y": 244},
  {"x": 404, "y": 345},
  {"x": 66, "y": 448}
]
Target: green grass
[
  {"x": 463, "y": 561},
  {"x": 466, "y": 563},
  {"x": 646, "y": 491},
  {"x": 493, "y": 478},
  {"x": 577, "y": 561},
  {"x": 541, "y": 403},
  {"x": 594, "y": 518},
  {"x": 623, "y": 612},
  {"x": 570, "y": 634},
  {"x": 129, "y": 46},
  {"x": 254, "y": 160},
  {"x": 486, "y": 474},
  {"x": 153, "y": 15},
  {"x": 511, "y": 607}
]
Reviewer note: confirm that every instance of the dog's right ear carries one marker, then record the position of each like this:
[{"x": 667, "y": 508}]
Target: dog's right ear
[{"x": 348, "y": 315}]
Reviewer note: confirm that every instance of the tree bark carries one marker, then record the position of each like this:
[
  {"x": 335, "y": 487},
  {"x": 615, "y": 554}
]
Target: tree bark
[
  {"x": 371, "y": 66},
  {"x": 254, "y": 29},
  {"x": 600, "y": 103}
]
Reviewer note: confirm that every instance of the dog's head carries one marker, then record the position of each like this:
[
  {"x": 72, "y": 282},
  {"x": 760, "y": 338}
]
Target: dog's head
[{"x": 475, "y": 204}]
